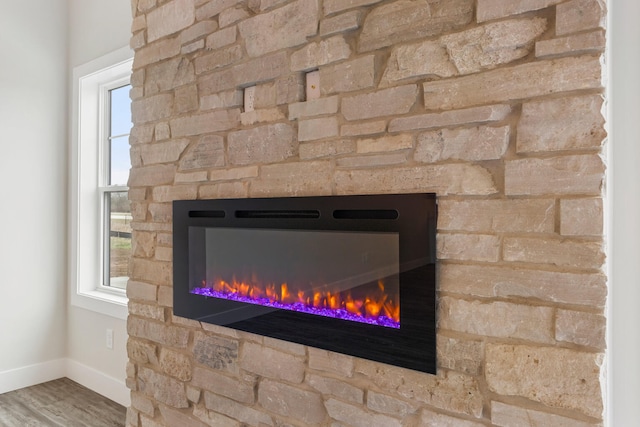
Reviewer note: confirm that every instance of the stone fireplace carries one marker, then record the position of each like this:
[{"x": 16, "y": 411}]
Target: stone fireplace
[{"x": 493, "y": 106}]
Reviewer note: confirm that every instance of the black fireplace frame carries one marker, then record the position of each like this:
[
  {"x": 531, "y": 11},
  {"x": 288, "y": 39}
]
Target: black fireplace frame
[{"x": 412, "y": 216}]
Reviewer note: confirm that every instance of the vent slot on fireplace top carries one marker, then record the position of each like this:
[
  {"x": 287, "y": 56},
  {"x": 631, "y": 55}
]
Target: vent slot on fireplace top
[{"x": 275, "y": 214}]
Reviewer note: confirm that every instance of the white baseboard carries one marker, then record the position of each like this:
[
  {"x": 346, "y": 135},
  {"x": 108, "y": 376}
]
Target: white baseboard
[
  {"x": 91, "y": 378},
  {"x": 112, "y": 388},
  {"x": 27, "y": 376}
]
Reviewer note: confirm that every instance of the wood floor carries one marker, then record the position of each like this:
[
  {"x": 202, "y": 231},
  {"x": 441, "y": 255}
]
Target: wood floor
[{"x": 59, "y": 403}]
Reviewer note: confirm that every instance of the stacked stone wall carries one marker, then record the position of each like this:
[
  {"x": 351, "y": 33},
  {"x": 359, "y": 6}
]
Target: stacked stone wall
[{"x": 494, "y": 105}]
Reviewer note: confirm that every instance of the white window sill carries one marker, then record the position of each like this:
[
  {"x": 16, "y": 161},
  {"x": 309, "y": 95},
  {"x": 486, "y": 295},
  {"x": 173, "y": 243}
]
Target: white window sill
[{"x": 110, "y": 303}]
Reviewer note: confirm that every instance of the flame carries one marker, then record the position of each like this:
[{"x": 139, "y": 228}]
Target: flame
[{"x": 377, "y": 302}]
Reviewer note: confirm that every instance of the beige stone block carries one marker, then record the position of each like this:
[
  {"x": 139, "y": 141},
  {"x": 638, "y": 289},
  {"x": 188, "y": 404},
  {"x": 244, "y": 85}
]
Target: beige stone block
[
  {"x": 330, "y": 148},
  {"x": 174, "y": 364},
  {"x": 442, "y": 179},
  {"x": 159, "y": 333},
  {"x": 566, "y": 175},
  {"x": 265, "y": 115},
  {"x": 221, "y": 57},
  {"x": 225, "y": 99},
  {"x": 231, "y": 16},
  {"x": 333, "y": 6},
  {"x": 505, "y": 415},
  {"x": 461, "y": 355},
  {"x": 160, "y": 212},
  {"x": 291, "y": 402},
  {"x": 215, "y": 352},
  {"x": 497, "y": 319},
  {"x": 153, "y": 108},
  {"x": 472, "y": 144},
  {"x": 484, "y": 114},
  {"x": 162, "y": 152},
  {"x": 386, "y": 102},
  {"x": 289, "y": 347},
  {"x": 565, "y": 253},
  {"x": 265, "y": 96},
  {"x": 198, "y": 124},
  {"x": 153, "y": 312},
  {"x": 556, "y": 377},
  {"x": 581, "y": 217},
  {"x": 357, "y": 417},
  {"x": 367, "y": 128},
  {"x": 224, "y": 190},
  {"x": 290, "y": 89},
  {"x": 348, "y": 76},
  {"x": 263, "y": 144},
  {"x": 315, "y": 107},
  {"x": 320, "y": 128},
  {"x": 137, "y": 194},
  {"x": 468, "y": 247},
  {"x": 167, "y": 75},
  {"x": 580, "y": 15},
  {"x": 151, "y": 271},
  {"x": 372, "y": 160},
  {"x": 385, "y": 143},
  {"x": 237, "y": 411},
  {"x": 271, "y": 363},
  {"x": 156, "y": 52},
  {"x": 162, "y": 388},
  {"x": 142, "y": 403},
  {"x": 262, "y": 5},
  {"x": 198, "y": 30},
  {"x": 173, "y": 417},
  {"x": 405, "y": 20},
  {"x": 141, "y": 291},
  {"x": 162, "y": 131},
  {"x": 213, "y": 8},
  {"x": 169, "y": 193},
  {"x": 144, "y": 244},
  {"x": 212, "y": 418},
  {"x": 434, "y": 419},
  {"x": 141, "y": 134},
  {"x": 342, "y": 23},
  {"x": 264, "y": 68},
  {"x": 390, "y": 405},
  {"x": 141, "y": 352},
  {"x": 190, "y": 177},
  {"x": 221, "y": 38},
  {"x": 284, "y": 27},
  {"x": 164, "y": 254},
  {"x": 592, "y": 42},
  {"x": 494, "y": 44},
  {"x": 170, "y": 18},
  {"x": 192, "y": 47},
  {"x": 493, "y": 9},
  {"x": 572, "y": 123},
  {"x": 193, "y": 394},
  {"x": 428, "y": 58},
  {"x": 336, "y": 388},
  {"x": 231, "y": 387},
  {"x": 328, "y": 361},
  {"x": 138, "y": 23},
  {"x": 518, "y": 82},
  {"x": 497, "y": 215},
  {"x": 233, "y": 173},
  {"x": 293, "y": 179},
  {"x": 581, "y": 328},
  {"x": 320, "y": 53},
  {"x": 137, "y": 41}
]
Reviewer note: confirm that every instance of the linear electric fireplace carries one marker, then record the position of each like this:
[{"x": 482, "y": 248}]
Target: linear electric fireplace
[{"x": 351, "y": 274}]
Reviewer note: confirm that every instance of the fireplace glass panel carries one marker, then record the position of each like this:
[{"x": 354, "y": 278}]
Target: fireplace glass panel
[{"x": 347, "y": 275}]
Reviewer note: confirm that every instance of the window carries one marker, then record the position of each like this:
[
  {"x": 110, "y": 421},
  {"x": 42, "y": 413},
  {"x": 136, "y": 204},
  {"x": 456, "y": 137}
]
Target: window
[{"x": 99, "y": 166}]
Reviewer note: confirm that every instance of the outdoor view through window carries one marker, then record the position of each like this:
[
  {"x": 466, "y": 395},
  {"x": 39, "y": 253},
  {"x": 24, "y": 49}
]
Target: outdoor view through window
[{"x": 117, "y": 210}]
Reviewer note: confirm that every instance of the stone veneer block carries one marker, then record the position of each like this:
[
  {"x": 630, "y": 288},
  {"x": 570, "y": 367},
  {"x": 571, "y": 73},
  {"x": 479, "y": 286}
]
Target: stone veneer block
[
  {"x": 428, "y": 58},
  {"x": 315, "y": 107},
  {"x": 572, "y": 123},
  {"x": 231, "y": 387},
  {"x": 156, "y": 52},
  {"x": 533, "y": 373},
  {"x": 581, "y": 217},
  {"x": 564, "y": 253},
  {"x": 434, "y": 419},
  {"x": 162, "y": 152},
  {"x": 579, "y": 174},
  {"x": 484, "y": 114},
  {"x": 473, "y": 144},
  {"x": 220, "y": 58},
  {"x": 264, "y": 144},
  {"x": 592, "y": 42},
  {"x": 368, "y": 160},
  {"x": 497, "y": 319},
  {"x": 270, "y": 363},
  {"x": 238, "y": 411},
  {"x": 163, "y": 389},
  {"x": 284, "y": 27},
  {"x": 405, "y": 20},
  {"x": 225, "y": 37},
  {"x": 581, "y": 328},
  {"x": 328, "y": 361},
  {"x": 198, "y": 30},
  {"x": 320, "y": 128},
  {"x": 587, "y": 289},
  {"x": 348, "y": 76},
  {"x": 468, "y": 247},
  {"x": 390, "y": 405},
  {"x": 461, "y": 355},
  {"x": 497, "y": 216},
  {"x": 208, "y": 152},
  {"x": 294, "y": 179},
  {"x": 166, "y": 75},
  {"x": 292, "y": 402},
  {"x": 505, "y": 415},
  {"x": 386, "y": 102},
  {"x": 579, "y": 15},
  {"x": 320, "y": 53},
  {"x": 170, "y": 18},
  {"x": 156, "y": 332},
  {"x": 198, "y": 124},
  {"x": 521, "y": 81},
  {"x": 331, "y": 148},
  {"x": 246, "y": 74},
  {"x": 368, "y": 128},
  {"x": 337, "y": 388},
  {"x": 152, "y": 108},
  {"x": 173, "y": 417},
  {"x": 333, "y": 6},
  {"x": 357, "y": 417},
  {"x": 385, "y": 143},
  {"x": 212, "y": 8},
  {"x": 151, "y": 175},
  {"x": 341, "y": 23},
  {"x": 494, "y": 9},
  {"x": 442, "y": 179}
]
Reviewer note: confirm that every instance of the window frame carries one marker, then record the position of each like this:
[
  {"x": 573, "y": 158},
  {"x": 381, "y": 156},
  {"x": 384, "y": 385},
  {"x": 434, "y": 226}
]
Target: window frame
[{"x": 91, "y": 81}]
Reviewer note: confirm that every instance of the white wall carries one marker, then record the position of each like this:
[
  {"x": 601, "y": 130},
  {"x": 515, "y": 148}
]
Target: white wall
[
  {"x": 97, "y": 27},
  {"x": 33, "y": 98},
  {"x": 624, "y": 213}
]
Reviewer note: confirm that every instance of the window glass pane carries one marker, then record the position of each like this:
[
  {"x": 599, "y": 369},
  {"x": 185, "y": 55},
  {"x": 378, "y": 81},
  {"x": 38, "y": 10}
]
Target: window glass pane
[
  {"x": 120, "y": 161},
  {"x": 120, "y": 127},
  {"x": 120, "y": 111},
  {"x": 119, "y": 247}
]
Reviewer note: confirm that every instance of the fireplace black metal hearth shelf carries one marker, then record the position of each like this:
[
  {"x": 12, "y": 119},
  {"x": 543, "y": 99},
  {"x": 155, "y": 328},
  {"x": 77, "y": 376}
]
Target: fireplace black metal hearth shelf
[{"x": 351, "y": 274}]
